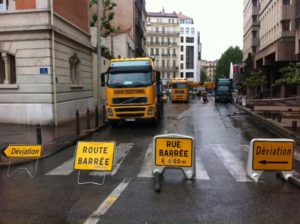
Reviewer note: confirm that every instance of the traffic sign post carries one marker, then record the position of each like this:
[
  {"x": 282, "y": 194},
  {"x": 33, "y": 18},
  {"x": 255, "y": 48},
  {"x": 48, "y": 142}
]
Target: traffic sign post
[
  {"x": 173, "y": 151},
  {"x": 23, "y": 152},
  {"x": 270, "y": 155},
  {"x": 94, "y": 156}
]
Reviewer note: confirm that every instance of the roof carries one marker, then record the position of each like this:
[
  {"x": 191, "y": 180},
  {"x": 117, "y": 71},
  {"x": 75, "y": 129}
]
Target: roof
[
  {"x": 162, "y": 14},
  {"x": 182, "y": 16}
]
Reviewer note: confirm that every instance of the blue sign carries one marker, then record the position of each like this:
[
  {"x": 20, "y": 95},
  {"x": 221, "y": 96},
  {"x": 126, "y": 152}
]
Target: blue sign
[{"x": 44, "y": 71}]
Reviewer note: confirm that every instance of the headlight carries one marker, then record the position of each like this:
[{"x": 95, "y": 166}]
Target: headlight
[
  {"x": 150, "y": 110},
  {"x": 110, "y": 112}
]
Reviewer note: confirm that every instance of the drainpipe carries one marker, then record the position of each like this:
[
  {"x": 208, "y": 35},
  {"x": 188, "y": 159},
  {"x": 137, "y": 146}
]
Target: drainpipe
[
  {"x": 53, "y": 63},
  {"x": 99, "y": 56}
]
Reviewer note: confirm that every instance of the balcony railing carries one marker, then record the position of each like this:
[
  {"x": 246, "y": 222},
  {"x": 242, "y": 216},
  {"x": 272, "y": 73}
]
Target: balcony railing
[{"x": 149, "y": 32}]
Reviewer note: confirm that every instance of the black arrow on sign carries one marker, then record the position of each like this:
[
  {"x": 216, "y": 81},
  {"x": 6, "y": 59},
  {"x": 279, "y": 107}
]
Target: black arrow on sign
[
  {"x": 272, "y": 162},
  {"x": 2, "y": 150}
]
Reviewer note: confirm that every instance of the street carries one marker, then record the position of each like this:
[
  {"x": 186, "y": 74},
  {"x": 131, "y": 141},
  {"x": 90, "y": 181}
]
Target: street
[{"x": 220, "y": 193}]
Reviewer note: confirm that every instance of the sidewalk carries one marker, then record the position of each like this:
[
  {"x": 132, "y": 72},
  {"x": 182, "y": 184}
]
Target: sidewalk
[
  {"x": 54, "y": 139},
  {"x": 283, "y": 128}
]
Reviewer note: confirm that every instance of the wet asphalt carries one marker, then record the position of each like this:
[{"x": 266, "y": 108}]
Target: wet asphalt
[{"x": 216, "y": 197}]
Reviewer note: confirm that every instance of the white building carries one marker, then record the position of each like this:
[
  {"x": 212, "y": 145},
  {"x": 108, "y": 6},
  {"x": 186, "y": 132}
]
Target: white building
[{"x": 190, "y": 49}]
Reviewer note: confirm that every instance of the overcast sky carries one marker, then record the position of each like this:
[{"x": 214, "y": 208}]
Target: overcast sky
[{"x": 220, "y": 22}]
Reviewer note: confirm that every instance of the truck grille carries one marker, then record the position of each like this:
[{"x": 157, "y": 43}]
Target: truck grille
[
  {"x": 130, "y": 109},
  {"x": 130, "y": 115},
  {"x": 129, "y": 100},
  {"x": 179, "y": 92}
]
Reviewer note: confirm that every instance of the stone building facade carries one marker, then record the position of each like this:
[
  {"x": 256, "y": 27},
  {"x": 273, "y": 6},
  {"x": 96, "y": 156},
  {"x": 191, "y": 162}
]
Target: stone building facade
[{"x": 45, "y": 61}]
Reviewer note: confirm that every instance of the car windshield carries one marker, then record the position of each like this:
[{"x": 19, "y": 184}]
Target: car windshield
[
  {"x": 179, "y": 85},
  {"x": 132, "y": 79}
]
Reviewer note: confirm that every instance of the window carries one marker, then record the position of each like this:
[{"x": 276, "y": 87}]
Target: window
[
  {"x": 193, "y": 30},
  {"x": 174, "y": 63},
  {"x": 74, "y": 69},
  {"x": 189, "y": 64},
  {"x": 168, "y": 63},
  {"x": 286, "y": 25},
  {"x": 181, "y": 65},
  {"x": 181, "y": 30},
  {"x": 190, "y": 75},
  {"x": 157, "y": 51},
  {"x": 187, "y": 30},
  {"x": 174, "y": 52},
  {"x": 189, "y": 39},
  {"x": 181, "y": 57},
  {"x": 181, "y": 48},
  {"x": 7, "y": 68},
  {"x": 163, "y": 63},
  {"x": 151, "y": 51},
  {"x": 168, "y": 51},
  {"x": 181, "y": 74},
  {"x": 149, "y": 20},
  {"x": 286, "y": 2},
  {"x": 3, "y": 5},
  {"x": 181, "y": 39}
]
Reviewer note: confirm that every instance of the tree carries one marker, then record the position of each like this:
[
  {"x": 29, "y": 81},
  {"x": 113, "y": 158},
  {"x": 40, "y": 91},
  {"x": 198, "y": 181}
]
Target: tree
[
  {"x": 291, "y": 75},
  {"x": 203, "y": 75},
  {"x": 107, "y": 16},
  {"x": 234, "y": 55}
]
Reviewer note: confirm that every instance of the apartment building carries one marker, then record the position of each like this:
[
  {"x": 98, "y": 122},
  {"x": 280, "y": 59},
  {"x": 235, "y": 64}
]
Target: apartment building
[
  {"x": 251, "y": 28},
  {"x": 174, "y": 42},
  {"x": 189, "y": 49},
  {"x": 45, "y": 61},
  {"x": 274, "y": 23},
  {"x": 162, "y": 42},
  {"x": 210, "y": 68}
]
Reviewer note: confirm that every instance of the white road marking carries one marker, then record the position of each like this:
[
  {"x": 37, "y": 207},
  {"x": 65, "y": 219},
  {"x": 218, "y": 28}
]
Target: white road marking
[
  {"x": 120, "y": 154},
  {"x": 236, "y": 168},
  {"x": 297, "y": 156},
  {"x": 64, "y": 169},
  {"x": 245, "y": 148},
  {"x": 107, "y": 203},
  {"x": 146, "y": 168},
  {"x": 201, "y": 173}
]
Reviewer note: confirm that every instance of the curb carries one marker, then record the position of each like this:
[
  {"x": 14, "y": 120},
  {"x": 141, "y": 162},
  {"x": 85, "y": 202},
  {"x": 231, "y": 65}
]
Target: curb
[
  {"x": 58, "y": 147},
  {"x": 271, "y": 125}
]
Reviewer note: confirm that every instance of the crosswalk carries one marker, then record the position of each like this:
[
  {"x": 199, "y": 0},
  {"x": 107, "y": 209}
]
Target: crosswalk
[{"x": 235, "y": 166}]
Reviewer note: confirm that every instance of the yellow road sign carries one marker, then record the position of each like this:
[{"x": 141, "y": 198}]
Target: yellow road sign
[
  {"x": 23, "y": 151},
  {"x": 173, "y": 152},
  {"x": 273, "y": 155},
  {"x": 94, "y": 156}
]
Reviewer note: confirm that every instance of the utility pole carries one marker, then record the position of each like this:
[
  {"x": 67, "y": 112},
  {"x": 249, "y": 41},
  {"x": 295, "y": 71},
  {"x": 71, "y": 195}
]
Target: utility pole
[{"x": 99, "y": 100}]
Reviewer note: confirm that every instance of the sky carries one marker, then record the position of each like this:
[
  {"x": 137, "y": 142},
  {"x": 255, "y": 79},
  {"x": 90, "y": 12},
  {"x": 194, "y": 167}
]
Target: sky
[{"x": 220, "y": 22}]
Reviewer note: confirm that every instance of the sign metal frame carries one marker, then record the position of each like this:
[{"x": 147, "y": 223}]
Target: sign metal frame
[
  {"x": 33, "y": 173},
  {"x": 104, "y": 171},
  {"x": 255, "y": 173},
  {"x": 189, "y": 171}
]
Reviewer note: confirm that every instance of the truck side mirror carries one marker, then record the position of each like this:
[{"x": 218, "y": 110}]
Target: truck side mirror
[
  {"x": 103, "y": 83},
  {"x": 158, "y": 76}
]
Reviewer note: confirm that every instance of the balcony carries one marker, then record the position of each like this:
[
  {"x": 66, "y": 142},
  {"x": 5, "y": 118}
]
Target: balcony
[
  {"x": 169, "y": 43},
  {"x": 167, "y": 68},
  {"x": 153, "y": 43},
  {"x": 162, "y": 33}
]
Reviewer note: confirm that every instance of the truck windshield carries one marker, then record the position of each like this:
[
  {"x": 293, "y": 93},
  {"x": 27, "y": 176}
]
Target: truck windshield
[
  {"x": 179, "y": 86},
  {"x": 223, "y": 88},
  {"x": 130, "y": 79}
]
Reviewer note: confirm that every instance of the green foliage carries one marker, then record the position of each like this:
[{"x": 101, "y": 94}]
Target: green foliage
[
  {"x": 257, "y": 78},
  {"x": 249, "y": 65},
  {"x": 291, "y": 75},
  {"x": 107, "y": 17},
  {"x": 105, "y": 52},
  {"x": 234, "y": 55},
  {"x": 203, "y": 75}
]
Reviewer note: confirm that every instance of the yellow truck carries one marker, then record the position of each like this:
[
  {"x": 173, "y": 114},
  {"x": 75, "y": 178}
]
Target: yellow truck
[
  {"x": 179, "y": 90},
  {"x": 134, "y": 91}
]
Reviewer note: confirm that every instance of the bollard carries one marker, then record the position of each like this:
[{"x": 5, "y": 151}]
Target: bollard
[
  {"x": 77, "y": 123},
  {"x": 279, "y": 117},
  {"x": 96, "y": 116},
  {"x": 294, "y": 125},
  {"x": 88, "y": 123},
  {"x": 38, "y": 134},
  {"x": 103, "y": 114}
]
